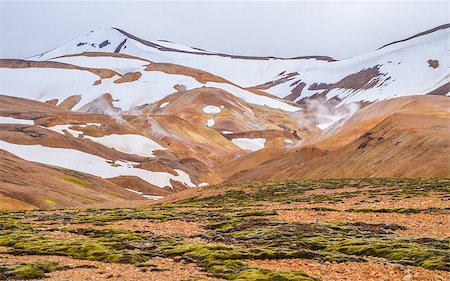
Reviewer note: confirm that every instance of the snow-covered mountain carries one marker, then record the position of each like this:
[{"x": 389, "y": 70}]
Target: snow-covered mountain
[
  {"x": 417, "y": 65},
  {"x": 155, "y": 117},
  {"x": 113, "y": 61}
]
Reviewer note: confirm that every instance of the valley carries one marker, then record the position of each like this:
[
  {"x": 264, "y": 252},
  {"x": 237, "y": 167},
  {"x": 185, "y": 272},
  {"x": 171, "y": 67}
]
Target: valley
[
  {"x": 123, "y": 158},
  {"x": 110, "y": 117}
]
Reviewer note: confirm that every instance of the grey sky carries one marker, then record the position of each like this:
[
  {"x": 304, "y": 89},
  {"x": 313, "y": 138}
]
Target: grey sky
[{"x": 338, "y": 29}]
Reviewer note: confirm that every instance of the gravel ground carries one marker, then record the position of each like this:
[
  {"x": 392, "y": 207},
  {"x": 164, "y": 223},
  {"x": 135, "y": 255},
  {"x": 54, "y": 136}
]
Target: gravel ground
[
  {"x": 173, "y": 227},
  {"x": 373, "y": 270},
  {"x": 419, "y": 225},
  {"x": 92, "y": 270}
]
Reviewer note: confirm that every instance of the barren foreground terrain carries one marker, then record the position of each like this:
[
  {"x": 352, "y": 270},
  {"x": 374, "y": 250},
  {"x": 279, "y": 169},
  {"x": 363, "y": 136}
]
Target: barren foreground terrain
[{"x": 346, "y": 229}]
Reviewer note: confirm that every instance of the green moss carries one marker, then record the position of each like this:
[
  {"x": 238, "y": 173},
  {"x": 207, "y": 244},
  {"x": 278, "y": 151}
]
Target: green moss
[
  {"x": 392, "y": 210},
  {"x": 324, "y": 209},
  {"x": 11, "y": 223},
  {"x": 103, "y": 249},
  {"x": 327, "y": 241},
  {"x": 225, "y": 261},
  {"x": 21, "y": 271},
  {"x": 75, "y": 180},
  {"x": 253, "y": 213},
  {"x": 397, "y": 250},
  {"x": 238, "y": 228},
  {"x": 50, "y": 202},
  {"x": 286, "y": 191},
  {"x": 108, "y": 235},
  {"x": 264, "y": 274},
  {"x": 27, "y": 271},
  {"x": 400, "y": 210}
]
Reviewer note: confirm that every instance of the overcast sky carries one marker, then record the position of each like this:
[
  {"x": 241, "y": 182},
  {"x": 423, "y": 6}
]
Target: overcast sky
[{"x": 285, "y": 29}]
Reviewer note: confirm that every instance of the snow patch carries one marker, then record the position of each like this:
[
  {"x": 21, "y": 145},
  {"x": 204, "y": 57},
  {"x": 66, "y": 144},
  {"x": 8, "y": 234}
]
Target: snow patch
[
  {"x": 250, "y": 144},
  {"x": 210, "y": 122},
  {"x": 153, "y": 197},
  {"x": 90, "y": 164},
  {"x": 211, "y": 109},
  {"x": 61, "y": 128},
  {"x": 11, "y": 120},
  {"x": 253, "y": 98},
  {"x": 129, "y": 143},
  {"x": 134, "y": 191},
  {"x": 90, "y": 124}
]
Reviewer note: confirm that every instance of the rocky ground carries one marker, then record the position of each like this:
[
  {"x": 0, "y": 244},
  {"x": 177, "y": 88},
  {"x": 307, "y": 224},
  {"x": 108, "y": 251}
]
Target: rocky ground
[{"x": 374, "y": 229}]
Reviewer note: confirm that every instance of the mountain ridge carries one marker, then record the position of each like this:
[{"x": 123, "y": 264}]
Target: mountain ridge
[
  {"x": 298, "y": 79},
  {"x": 210, "y": 52},
  {"x": 151, "y": 120}
]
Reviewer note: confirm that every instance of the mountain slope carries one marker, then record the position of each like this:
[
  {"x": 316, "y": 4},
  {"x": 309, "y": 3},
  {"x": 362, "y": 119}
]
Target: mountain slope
[
  {"x": 96, "y": 144},
  {"x": 410, "y": 139},
  {"x": 28, "y": 185},
  {"x": 150, "y": 118}
]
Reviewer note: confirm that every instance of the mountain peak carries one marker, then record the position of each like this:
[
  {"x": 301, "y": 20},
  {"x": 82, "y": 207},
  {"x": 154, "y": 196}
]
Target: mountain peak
[{"x": 426, "y": 32}]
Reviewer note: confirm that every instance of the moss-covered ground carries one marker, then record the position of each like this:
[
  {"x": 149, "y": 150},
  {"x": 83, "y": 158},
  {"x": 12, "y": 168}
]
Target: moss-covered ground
[{"x": 239, "y": 224}]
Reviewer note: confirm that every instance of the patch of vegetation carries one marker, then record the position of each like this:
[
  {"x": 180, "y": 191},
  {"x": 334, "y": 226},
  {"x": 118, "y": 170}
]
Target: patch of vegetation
[
  {"x": 239, "y": 228},
  {"x": 432, "y": 253},
  {"x": 50, "y": 202},
  {"x": 324, "y": 209},
  {"x": 398, "y": 210},
  {"x": 383, "y": 210},
  {"x": 21, "y": 271},
  {"x": 288, "y": 191},
  {"x": 11, "y": 223},
  {"x": 328, "y": 241},
  {"x": 27, "y": 271},
  {"x": 75, "y": 181},
  {"x": 99, "y": 249},
  {"x": 224, "y": 262}
]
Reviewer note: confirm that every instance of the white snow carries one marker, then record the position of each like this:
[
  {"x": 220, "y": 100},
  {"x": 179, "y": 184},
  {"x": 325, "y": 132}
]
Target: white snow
[
  {"x": 211, "y": 109},
  {"x": 203, "y": 184},
  {"x": 164, "y": 104},
  {"x": 250, "y": 144},
  {"x": 129, "y": 143},
  {"x": 61, "y": 128},
  {"x": 44, "y": 84},
  {"x": 210, "y": 122},
  {"x": 253, "y": 98},
  {"x": 127, "y": 164},
  {"x": 11, "y": 120},
  {"x": 153, "y": 197},
  {"x": 405, "y": 63},
  {"x": 90, "y": 124},
  {"x": 227, "y": 132},
  {"x": 91, "y": 164},
  {"x": 134, "y": 191}
]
